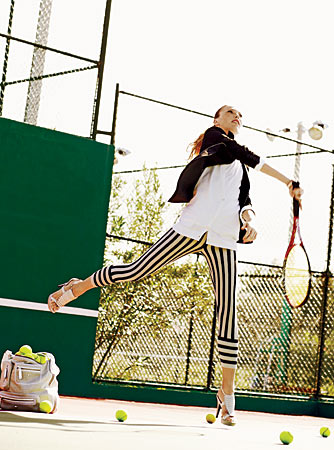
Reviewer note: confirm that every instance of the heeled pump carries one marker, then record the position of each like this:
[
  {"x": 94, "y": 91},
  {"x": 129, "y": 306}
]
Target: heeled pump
[{"x": 228, "y": 401}]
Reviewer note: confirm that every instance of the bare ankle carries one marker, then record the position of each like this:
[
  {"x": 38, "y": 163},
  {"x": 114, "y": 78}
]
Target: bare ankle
[
  {"x": 79, "y": 288},
  {"x": 82, "y": 287},
  {"x": 227, "y": 390}
]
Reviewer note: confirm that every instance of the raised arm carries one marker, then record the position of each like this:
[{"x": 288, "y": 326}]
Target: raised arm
[{"x": 294, "y": 192}]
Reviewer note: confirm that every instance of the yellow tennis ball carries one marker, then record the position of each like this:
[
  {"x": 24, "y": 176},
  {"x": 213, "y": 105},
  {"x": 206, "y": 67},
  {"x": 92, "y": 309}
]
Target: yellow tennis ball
[
  {"x": 210, "y": 418},
  {"x": 324, "y": 431},
  {"x": 121, "y": 415},
  {"x": 286, "y": 437},
  {"x": 42, "y": 358},
  {"x": 26, "y": 350},
  {"x": 36, "y": 357},
  {"x": 45, "y": 406}
]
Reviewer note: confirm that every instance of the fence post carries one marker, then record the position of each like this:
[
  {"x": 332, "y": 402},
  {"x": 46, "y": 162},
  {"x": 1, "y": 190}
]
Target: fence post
[
  {"x": 114, "y": 119},
  {"x": 191, "y": 326},
  {"x": 212, "y": 346},
  {"x": 286, "y": 317},
  {"x": 97, "y": 99},
  {"x": 5, "y": 59},
  {"x": 190, "y": 336},
  {"x": 325, "y": 298}
]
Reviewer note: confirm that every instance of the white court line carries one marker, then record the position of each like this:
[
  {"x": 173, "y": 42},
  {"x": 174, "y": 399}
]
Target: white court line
[{"x": 44, "y": 307}]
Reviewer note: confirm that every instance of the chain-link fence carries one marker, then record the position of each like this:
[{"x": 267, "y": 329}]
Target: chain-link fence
[
  {"x": 52, "y": 62},
  {"x": 161, "y": 330}
]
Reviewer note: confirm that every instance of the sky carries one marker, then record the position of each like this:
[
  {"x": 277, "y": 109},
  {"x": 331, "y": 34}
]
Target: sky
[{"x": 271, "y": 60}]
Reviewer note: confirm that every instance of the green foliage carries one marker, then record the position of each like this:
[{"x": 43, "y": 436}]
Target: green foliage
[
  {"x": 157, "y": 309},
  {"x": 159, "y": 329}
]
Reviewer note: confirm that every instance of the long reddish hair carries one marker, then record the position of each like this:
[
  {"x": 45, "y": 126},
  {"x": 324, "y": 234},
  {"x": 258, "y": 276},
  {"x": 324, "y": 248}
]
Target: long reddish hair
[{"x": 195, "y": 146}]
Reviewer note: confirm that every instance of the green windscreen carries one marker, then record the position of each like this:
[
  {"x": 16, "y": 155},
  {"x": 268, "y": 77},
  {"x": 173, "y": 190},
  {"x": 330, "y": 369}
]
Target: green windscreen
[{"x": 55, "y": 191}]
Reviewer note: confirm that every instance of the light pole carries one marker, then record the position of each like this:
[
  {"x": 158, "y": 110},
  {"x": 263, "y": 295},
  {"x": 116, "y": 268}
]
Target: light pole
[{"x": 316, "y": 133}]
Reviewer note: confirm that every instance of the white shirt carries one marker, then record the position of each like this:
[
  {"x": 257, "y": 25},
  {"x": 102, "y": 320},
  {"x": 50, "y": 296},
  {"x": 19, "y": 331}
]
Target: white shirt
[{"x": 215, "y": 209}]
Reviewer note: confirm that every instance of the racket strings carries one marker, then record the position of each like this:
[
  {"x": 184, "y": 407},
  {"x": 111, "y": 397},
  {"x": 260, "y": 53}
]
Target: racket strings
[{"x": 297, "y": 276}]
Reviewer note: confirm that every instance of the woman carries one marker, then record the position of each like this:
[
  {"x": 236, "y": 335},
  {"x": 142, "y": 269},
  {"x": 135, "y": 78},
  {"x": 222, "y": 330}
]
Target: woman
[{"x": 218, "y": 214}]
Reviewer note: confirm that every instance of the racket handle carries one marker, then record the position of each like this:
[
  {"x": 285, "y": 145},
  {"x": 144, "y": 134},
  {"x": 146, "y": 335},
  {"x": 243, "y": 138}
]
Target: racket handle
[
  {"x": 295, "y": 208},
  {"x": 295, "y": 184},
  {"x": 241, "y": 235}
]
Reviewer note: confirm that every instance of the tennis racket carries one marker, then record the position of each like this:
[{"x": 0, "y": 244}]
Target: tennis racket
[{"x": 296, "y": 266}]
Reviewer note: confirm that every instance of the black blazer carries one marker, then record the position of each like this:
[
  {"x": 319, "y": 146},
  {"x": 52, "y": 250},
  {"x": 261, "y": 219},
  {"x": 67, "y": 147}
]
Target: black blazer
[{"x": 217, "y": 148}]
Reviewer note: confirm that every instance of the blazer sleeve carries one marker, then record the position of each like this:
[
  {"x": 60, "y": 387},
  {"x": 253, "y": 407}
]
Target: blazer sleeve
[
  {"x": 229, "y": 150},
  {"x": 217, "y": 148}
]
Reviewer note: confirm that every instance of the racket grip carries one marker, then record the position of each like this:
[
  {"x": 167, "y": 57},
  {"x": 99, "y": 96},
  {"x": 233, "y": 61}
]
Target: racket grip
[{"x": 295, "y": 184}]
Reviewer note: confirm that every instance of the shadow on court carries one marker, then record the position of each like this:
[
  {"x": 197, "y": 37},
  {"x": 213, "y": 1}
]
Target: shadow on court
[
  {"x": 13, "y": 419},
  {"x": 91, "y": 424},
  {"x": 9, "y": 418}
]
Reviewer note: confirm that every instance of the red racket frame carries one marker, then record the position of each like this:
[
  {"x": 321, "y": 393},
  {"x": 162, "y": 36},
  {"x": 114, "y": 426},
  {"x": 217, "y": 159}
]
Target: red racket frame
[{"x": 292, "y": 243}]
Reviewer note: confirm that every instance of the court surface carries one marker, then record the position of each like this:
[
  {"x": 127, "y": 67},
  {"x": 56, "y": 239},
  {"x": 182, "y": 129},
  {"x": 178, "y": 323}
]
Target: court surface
[{"x": 90, "y": 424}]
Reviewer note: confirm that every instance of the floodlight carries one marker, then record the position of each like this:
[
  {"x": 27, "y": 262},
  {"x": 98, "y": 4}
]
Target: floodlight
[
  {"x": 123, "y": 151},
  {"x": 317, "y": 130},
  {"x": 270, "y": 136}
]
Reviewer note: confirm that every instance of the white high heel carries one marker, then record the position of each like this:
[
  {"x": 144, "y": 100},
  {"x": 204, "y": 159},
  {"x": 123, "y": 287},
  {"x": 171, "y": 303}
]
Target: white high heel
[
  {"x": 66, "y": 297},
  {"x": 229, "y": 402}
]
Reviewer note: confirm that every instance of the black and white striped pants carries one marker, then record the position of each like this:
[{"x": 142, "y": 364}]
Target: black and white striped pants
[{"x": 222, "y": 264}]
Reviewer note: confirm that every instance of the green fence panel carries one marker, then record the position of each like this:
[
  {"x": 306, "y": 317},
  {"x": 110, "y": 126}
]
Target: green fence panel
[{"x": 55, "y": 191}]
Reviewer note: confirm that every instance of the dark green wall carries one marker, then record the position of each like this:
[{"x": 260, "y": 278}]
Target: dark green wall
[{"x": 55, "y": 191}]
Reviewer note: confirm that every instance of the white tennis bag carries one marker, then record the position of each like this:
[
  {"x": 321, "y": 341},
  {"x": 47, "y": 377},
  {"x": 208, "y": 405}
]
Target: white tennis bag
[{"x": 25, "y": 383}]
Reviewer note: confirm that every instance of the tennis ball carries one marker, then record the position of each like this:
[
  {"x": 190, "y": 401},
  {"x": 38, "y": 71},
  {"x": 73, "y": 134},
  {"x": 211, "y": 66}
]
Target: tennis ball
[
  {"x": 25, "y": 350},
  {"x": 324, "y": 431},
  {"x": 286, "y": 437},
  {"x": 39, "y": 357},
  {"x": 121, "y": 415},
  {"x": 45, "y": 406},
  {"x": 36, "y": 357},
  {"x": 210, "y": 418},
  {"x": 42, "y": 358}
]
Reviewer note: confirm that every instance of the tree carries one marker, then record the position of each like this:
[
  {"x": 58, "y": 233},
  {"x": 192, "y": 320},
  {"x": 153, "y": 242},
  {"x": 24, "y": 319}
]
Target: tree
[
  {"x": 159, "y": 329},
  {"x": 158, "y": 311}
]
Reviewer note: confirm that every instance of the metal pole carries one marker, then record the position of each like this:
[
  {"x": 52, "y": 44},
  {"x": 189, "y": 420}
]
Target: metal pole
[
  {"x": 286, "y": 317},
  {"x": 191, "y": 325},
  {"x": 212, "y": 346},
  {"x": 45, "y": 47},
  {"x": 5, "y": 60},
  {"x": 97, "y": 99},
  {"x": 38, "y": 63},
  {"x": 325, "y": 299},
  {"x": 113, "y": 129}
]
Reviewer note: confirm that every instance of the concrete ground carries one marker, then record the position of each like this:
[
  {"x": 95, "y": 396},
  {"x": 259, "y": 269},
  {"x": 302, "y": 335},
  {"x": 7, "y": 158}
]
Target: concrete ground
[{"x": 91, "y": 424}]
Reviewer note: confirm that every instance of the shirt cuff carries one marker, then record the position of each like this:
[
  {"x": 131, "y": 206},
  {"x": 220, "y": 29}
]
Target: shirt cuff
[
  {"x": 259, "y": 166},
  {"x": 246, "y": 208}
]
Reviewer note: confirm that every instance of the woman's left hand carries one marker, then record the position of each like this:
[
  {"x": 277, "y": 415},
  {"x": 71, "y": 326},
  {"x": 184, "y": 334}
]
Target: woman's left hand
[
  {"x": 251, "y": 233},
  {"x": 296, "y": 192}
]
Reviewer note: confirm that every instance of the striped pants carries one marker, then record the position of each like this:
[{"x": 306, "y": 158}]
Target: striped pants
[{"x": 222, "y": 264}]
